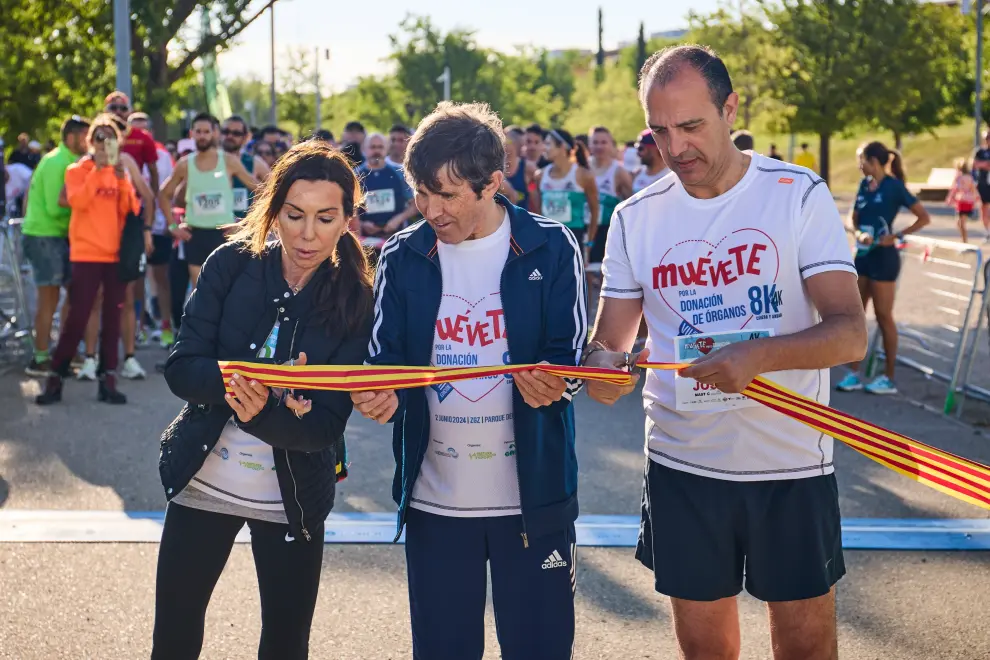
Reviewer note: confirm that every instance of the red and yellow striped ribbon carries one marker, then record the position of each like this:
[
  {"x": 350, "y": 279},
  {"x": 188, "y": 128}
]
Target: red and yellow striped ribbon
[{"x": 953, "y": 475}]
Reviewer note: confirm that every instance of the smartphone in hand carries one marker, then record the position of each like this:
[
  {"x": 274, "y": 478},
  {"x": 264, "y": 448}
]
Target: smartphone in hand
[{"x": 113, "y": 152}]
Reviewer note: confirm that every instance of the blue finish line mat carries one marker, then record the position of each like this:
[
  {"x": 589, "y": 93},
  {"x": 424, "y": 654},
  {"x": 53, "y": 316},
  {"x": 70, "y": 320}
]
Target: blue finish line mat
[{"x": 592, "y": 531}]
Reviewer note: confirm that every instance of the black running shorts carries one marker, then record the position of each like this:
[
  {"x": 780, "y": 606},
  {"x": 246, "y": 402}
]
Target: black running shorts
[
  {"x": 202, "y": 244},
  {"x": 598, "y": 249},
  {"x": 705, "y": 539},
  {"x": 162, "y": 250},
  {"x": 881, "y": 264}
]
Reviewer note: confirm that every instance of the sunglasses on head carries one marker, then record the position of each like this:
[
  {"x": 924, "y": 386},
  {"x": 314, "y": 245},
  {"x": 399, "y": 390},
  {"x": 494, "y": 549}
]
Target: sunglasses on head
[{"x": 227, "y": 131}]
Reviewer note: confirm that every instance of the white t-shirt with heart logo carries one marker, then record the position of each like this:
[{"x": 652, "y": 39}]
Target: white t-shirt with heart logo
[
  {"x": 733, "y": 263},
  {"x": 470, "y": 466}
]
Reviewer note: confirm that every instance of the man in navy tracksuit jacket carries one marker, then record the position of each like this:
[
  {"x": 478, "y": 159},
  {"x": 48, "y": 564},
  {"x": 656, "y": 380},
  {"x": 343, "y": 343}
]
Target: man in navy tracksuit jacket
[{"x": 486, "y": 470}]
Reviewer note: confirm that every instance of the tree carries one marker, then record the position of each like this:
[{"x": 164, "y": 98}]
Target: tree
[
  {"x": 822, "y": 75},
  {"x": 613, "y": 102},
  {"x": 560, "y": 72},
  {"x": 297, "y": 101},
  {"x": 629, "y": 57},
  {"x": 250, "y": 96},
  {"x": 514, "y": 85},
  {"x": 600, "y": 55},
  {"x": 165, "y": 48},
  {"x": 926, "y": 81},
  {"x": 377, "y": 102},
  {"x": 55, "y": 53},
  {"x": 640, "y": 51},
  {"x": 748, "y": 49}
]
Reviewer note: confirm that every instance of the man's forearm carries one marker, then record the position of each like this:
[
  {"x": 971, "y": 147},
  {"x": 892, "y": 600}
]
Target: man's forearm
[{"x": 836, "y": 340}]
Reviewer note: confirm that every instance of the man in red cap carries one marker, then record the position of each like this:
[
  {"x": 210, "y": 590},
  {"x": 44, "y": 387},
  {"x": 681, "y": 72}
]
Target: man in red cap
[{"x": 137, "y": 142}]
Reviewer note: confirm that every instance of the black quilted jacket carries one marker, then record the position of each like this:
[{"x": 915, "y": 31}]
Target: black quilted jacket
[{"x": 228, "y": 317}]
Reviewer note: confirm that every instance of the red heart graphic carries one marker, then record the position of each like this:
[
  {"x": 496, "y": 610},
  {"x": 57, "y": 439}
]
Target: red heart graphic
[
  {"x": 726, "y": 271},
  {"x": 452, "y": 305},
  {"x": 705, "y": 344}
]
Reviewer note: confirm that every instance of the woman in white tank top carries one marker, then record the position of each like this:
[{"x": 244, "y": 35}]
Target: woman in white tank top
[{"x": 566, "y": 186}]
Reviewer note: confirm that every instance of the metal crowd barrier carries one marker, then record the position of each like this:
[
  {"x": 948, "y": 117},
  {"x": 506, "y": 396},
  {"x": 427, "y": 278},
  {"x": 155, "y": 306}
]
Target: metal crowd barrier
[
  {"x": 15, "y": 315},
  {"x": 943, "y": 344}
]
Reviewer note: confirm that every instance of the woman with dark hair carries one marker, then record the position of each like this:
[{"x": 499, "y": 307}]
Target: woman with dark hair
[
  {"x": 878, "y": 263},
  {"x": 566, "y": 186},
  {"x": 266, "y": 457},
  {"x": 266, "y": 152}
]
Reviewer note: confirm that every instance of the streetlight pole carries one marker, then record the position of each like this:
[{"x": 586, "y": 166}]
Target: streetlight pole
[
  {"x": 316, "y": 82},
  {"x": 122, "y": 44},
  {"x": 979, "y": 72},
  {"x": 445, "y": 79},
  {"x": 274, "y": 112}
]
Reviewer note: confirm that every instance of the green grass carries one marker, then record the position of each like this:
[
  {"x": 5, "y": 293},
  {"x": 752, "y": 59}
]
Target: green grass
[{"x": 921, "y": 152}]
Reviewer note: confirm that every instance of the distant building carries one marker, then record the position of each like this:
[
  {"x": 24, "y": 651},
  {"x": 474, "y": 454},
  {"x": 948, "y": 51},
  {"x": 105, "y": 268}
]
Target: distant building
[
  {"x": 665, "y": 34},
  {"x": 560, "y": 52}
]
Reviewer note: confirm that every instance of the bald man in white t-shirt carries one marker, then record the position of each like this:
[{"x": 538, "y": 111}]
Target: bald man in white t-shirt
[{"x": 740, "y": 265}]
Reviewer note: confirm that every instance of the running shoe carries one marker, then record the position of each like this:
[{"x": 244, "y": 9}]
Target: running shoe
[
  {"x": 132, "y": 369},
  {"x": 155, "y": 336},
  {"x": 881, "y": 385},
  {"x": 850, "y": 383},
  {"x": 167, "y": 338},
  {"x": 88, "y": 370},
  {"x": 142, "y": 339},
  {"x": 38, "y": 368}
]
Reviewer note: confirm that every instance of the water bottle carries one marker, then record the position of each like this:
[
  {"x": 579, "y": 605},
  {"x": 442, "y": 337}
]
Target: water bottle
[{"x": 863, "y": 248}]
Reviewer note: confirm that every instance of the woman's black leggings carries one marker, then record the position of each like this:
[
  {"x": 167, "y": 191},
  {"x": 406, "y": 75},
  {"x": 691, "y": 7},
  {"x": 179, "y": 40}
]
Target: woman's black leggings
[{"x": 194, "y": 549}]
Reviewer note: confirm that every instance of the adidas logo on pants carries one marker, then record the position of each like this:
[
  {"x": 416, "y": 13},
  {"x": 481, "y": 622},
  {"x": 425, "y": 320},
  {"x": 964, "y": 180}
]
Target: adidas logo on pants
[{"x": 554, "y": 561}]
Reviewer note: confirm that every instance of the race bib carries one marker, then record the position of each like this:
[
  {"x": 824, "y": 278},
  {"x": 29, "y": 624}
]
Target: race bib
[
  {"x": 240, "y": 200},
  {"x": 557, "y": 206},
  {"x": 380, "y": 201},
  {"x": 209, "y": 203},
  {"x": 692, "y": 396}
]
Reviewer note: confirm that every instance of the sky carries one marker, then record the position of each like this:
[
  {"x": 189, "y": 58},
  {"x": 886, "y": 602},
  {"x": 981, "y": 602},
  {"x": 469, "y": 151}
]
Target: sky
[{"x": 357, "y": 32}]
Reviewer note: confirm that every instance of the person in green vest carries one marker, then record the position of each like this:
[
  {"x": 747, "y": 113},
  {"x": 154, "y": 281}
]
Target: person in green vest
[
  {"x": 208, "y": 177},
  {"x": 46, "y": 235},
  {"x": 233, "y": 136},
  {"x": 566, "y": 185}
]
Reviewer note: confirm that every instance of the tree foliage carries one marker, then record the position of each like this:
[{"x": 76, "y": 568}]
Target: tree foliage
[
  {"x": 55, "y": 54},
  {"x": 515, "y": 86},
  {"x": 745, "y": 43},
  {"x": 822, "y": 74},
  {"x": 925, "y": 81},
  {"x": 297, "y": 101},
  {"x": 166, "y": 41},
  {"x": 612, "y": 102},
  {"x": 818, "y": 66}
]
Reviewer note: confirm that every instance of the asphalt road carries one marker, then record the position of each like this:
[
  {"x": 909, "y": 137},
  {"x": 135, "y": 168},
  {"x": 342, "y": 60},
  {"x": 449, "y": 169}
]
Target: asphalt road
[{"x": 96, "y": 600}]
